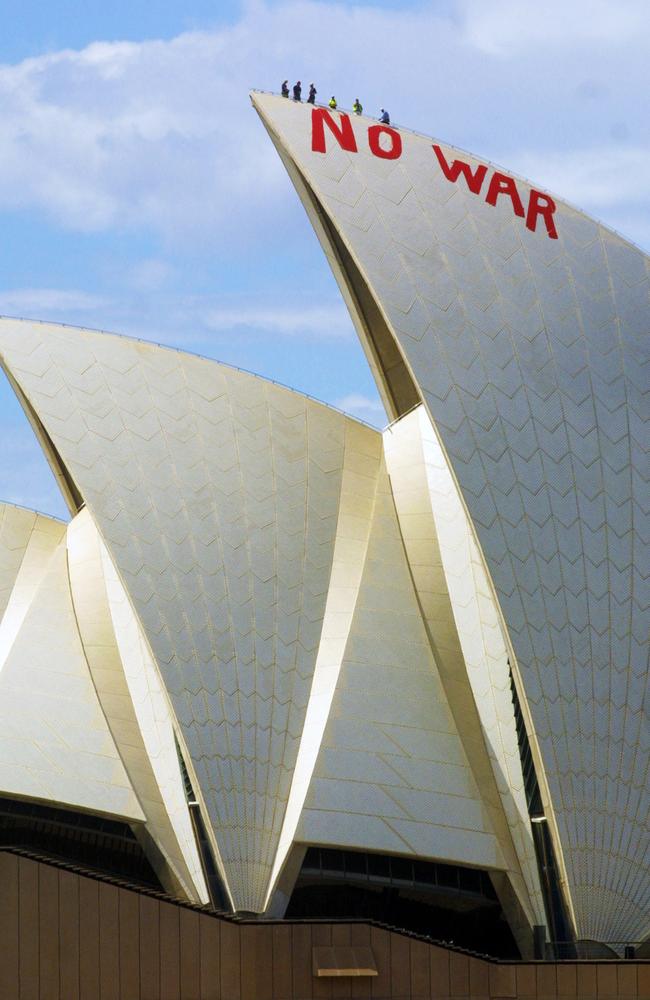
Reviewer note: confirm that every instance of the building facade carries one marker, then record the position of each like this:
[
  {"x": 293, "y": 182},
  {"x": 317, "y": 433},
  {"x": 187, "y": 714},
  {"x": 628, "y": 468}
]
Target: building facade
[
  {"x": 521, "y": 327},
  {"x": 282, "y": 664}
]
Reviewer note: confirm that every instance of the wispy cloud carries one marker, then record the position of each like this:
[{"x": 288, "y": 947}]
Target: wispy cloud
[
  {"x": 367, "y": 408},
  {"x": 603, "y": 176},
  {"x": 312, "y": 321},
  {"x": 150, "y": 275},
  {"x": 152, "y": 152},
  {"x": 37, "y": 302},
  {"x": 503, "y": 26},
  {"x": 175, "y": 317},
  {"x": 160, "y": 134}
]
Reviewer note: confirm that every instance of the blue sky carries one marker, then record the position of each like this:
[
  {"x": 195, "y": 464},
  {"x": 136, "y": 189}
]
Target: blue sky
[{"x": 139, "y": 192}]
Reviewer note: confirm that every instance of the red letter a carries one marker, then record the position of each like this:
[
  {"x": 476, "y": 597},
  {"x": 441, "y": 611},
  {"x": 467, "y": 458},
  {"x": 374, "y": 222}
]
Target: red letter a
[
  {"x": 343, "y": 134},
  {"x": 473, "y": 179},
  {"x": 502, "y": 184}
]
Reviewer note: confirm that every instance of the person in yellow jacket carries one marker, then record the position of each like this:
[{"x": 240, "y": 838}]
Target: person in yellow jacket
[
  {"x": 332, "y": 103},
  {"x": 357, "y": 107}
]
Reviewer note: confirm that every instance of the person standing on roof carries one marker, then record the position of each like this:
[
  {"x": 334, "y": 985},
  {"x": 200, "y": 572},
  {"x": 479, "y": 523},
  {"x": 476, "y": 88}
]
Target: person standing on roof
[
  {"x": 332, "y": 103},
  {"x": 357, "y": 106},
  {"x": 312, "y": 94},
  {"x": 384, "y": 117},
  {"x": 285, "y": 88},
  {"x": 297, "y": 91}
]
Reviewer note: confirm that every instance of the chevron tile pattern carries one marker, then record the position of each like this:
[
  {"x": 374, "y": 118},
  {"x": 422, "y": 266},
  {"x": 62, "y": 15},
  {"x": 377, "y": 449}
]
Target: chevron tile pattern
[
  {"x": 389, "y": 707},
  {"x": 151, "y": 763},
  {"x": 54, "y": 741},
  {"x": 16, "y": 527},
  {"x": 362, "y": 458},
  {"x": 240, "y": 580},
  {"x": 70, "y": 731},
  {"x": 465, "y": 632},
  {"x": 27, "y": 540},
  {"x": 217, "y": 495},
  {"x": 530, "y": 355}
]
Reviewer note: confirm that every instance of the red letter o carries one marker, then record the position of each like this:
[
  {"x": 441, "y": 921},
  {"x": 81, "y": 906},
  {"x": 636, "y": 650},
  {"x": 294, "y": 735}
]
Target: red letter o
[{"x": 373, "y": 141}]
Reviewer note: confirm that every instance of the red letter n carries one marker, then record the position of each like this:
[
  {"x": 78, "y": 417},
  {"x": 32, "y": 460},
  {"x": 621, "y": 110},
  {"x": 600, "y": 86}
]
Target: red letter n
[
  {"x": 501, "y": 184},
  {"x": 343, "y": 134},
  {"x": 541, "y": 204},
  {"x": 473, "y": 178}
]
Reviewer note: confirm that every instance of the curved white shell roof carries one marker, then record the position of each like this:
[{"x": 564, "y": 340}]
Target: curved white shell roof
[
  {"x": 72, "y": 729},
  {"x": 528, "y": 347},
  {"x": 54, "y": 741},
  {"x": 257, "y": 540}
]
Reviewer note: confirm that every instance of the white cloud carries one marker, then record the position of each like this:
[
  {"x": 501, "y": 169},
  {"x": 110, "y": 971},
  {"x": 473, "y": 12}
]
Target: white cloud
[
  {"x": 607, "y": 181},
  {"x": 502, "y": 26},
  {"x": 160, "y": 134},
  {"x": 156, "y": 133},
  {"x": 150, "y": 275},
  {"x": 36, "y": 302},
  {"x": 159, "y": 138},
  {"x": 318, "y": 321},
  {"x": 600, "y": 176},
  {"x": 177, "y": 318},
  {"x": 367, "y": 408}
]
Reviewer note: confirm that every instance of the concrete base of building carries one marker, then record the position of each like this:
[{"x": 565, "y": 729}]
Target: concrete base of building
[{"x": 68, "y": 934}]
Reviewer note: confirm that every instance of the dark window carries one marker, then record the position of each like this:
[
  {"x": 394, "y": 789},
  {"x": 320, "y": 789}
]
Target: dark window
[
  {"x": 401, "y": 870},
  {"x": 332, "y": 861},
  {"x": 312, "y": 859},
  {"x": 448, "y": 876},
  {"x": 424, "y": 873},
  {"x": 379, "y": 866},
  {"x": 356, "y": 863},
  {"x": 216, "y": 890},
  {"x": 554, "y": 904},
  {"x": 445, "y": 902},
  {"x": 101, "y": 845}
]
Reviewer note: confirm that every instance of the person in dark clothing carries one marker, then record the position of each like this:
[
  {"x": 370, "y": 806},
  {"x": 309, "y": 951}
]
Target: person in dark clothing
[
  {"x": 312, "y": 94},
  {"x": 285, "y": 88},
  {"x": 297, "y": 91},
  {"x": 384, "y": 117}
]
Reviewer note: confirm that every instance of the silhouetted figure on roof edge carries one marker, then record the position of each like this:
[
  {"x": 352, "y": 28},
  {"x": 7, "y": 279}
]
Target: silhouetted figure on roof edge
[
  {"x": 285, "y": 88},
  {"x": 384, "y": 117},
  {"x": 357, "y": 107},
  {"x": 312, "y": 94},
  {"x": 297, "y": 91}
]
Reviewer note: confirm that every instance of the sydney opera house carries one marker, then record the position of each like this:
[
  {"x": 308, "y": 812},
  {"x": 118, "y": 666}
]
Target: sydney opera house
[{"x": 284, "y": 667}]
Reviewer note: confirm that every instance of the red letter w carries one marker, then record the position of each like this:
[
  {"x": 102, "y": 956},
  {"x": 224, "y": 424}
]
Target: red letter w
[
  {"x": 473, "y": 179},
  {"x": 343, "y": 134}
]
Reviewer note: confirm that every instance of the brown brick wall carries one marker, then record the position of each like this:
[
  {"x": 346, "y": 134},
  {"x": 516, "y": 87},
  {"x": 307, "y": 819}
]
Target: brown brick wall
[{"x": 64, "y": 936}]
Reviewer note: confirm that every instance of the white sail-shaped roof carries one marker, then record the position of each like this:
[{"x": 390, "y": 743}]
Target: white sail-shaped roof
[
  {"x": 522, "y": 325},
  {"x": 217, "y": 495},
  {"x": 390, "y": 707},
  {"x": 73, "y": 731},
  {"x": 240, "y": 549},
  {"x": 20, "y": 530},
  {"x": 55, "y": 744}
]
